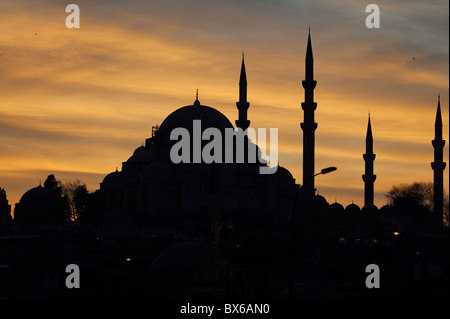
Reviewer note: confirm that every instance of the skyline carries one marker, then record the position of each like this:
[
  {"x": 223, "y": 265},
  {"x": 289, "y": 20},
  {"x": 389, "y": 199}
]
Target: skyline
[{"x": 76, "y": 102}]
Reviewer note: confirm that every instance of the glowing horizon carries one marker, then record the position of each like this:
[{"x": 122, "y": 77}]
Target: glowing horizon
[{"x": 77, "y": 102}]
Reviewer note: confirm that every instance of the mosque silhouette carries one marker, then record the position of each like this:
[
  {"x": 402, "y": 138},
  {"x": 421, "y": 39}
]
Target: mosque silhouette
[{"x": 156, "y": 229}]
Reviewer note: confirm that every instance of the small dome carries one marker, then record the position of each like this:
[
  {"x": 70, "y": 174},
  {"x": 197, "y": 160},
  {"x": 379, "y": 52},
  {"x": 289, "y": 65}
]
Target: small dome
[
  {"x": 320, "y": 201},
  {"x": 352, "y": 208}
]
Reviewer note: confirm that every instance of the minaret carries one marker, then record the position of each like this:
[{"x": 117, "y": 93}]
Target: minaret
[
  {"x": 438, "y": 167},
  {"x": 368, "y": 177},
  {"x": 308, "y": 125},
  {"x": 243, "y": 105}
]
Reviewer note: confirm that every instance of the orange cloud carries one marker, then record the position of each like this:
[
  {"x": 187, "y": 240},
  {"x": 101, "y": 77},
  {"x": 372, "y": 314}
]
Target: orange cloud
[{"x": 80, "y": 101}]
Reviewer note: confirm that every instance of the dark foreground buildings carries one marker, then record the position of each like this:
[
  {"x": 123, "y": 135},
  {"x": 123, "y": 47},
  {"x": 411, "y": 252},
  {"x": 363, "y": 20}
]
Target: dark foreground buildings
[{"x": 161, "y": 230}]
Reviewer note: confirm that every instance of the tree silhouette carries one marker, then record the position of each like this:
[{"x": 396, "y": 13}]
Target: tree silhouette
[
  {"x": 76, "y": 194},
  {"x": 415, "y": 201},
  {"x": 3, "y": 198},
  {"x": 53, "y": 184},
  {"x": 5, "y": 208},
  {"x": 417, "y": 194}
]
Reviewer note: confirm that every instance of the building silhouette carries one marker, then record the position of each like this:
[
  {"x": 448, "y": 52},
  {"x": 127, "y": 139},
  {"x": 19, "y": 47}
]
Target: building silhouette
[
  {"x": 156, "y": 192},
  {"x": 438, "y": 166},
  {"x": 369, "y": 177},
  {"x": 156, "y": 229}
]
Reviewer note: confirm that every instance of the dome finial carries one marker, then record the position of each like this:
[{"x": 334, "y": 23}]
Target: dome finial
[{"x": 196, "y": 102}]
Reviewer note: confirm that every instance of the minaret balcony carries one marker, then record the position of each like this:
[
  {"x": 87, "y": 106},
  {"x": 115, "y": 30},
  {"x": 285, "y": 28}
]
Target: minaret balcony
[
  {"x": 309, "y": 106},
  {"x": 369, "y": 157},
  {"x": 439, "y": 166},
  {"x": 438, "y": 143},
  {"x": 308, "y": 126},
  {"x": 369, "y": 178}
]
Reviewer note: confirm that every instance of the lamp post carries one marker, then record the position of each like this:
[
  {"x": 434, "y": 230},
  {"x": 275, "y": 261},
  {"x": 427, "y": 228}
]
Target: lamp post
[
  {"x": 380, "y": 229},
  {"x": 378, "y": 257},
  {"x": 297, "y": 195}
]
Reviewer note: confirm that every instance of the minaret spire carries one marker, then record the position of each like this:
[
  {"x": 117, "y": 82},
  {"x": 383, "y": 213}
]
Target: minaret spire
[
  {"x": 438, "y": 121},
  {"x": 309, "y": 71},
  {"x": 243, "y": 104},
  {"x": 309, "y": 125},
  {"x": 438, "y": 167},
  {"x": 369, "y": 157}
]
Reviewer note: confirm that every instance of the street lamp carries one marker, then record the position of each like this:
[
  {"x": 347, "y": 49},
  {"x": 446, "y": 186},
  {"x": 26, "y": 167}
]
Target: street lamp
[
  {"x": 322, "y": 172},
  {"x": 326, "y": 170}
]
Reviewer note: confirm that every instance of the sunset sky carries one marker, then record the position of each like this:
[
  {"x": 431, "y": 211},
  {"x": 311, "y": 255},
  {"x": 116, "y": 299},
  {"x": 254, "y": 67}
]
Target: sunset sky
[{"x": 78, "y": 102}]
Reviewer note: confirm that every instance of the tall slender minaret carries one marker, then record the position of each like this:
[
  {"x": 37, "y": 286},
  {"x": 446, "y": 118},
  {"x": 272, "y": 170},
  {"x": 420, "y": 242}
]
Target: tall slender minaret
[
  {"x": 438, "y": 167},
  {"x": 369, "y": 177},
  {"x": 308, "y": 125},
  {"x": 243, "y": 105}
]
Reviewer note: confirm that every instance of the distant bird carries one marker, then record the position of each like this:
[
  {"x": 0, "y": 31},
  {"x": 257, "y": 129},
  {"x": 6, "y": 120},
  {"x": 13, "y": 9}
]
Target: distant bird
[
  {"x": 413, "y": 58},
  {"x": 35, "y": 34}
]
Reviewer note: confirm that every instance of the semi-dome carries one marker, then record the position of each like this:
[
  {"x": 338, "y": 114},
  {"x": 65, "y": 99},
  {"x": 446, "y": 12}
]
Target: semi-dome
[
  {"x": 143, "y": 155},
  {"x": 112, "y": 178},
  {"x": 184, "y": 117},
  {"x": 139, "y": 149}
]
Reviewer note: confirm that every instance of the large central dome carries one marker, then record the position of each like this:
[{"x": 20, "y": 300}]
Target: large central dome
[{"x": 184, "y": 117}]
